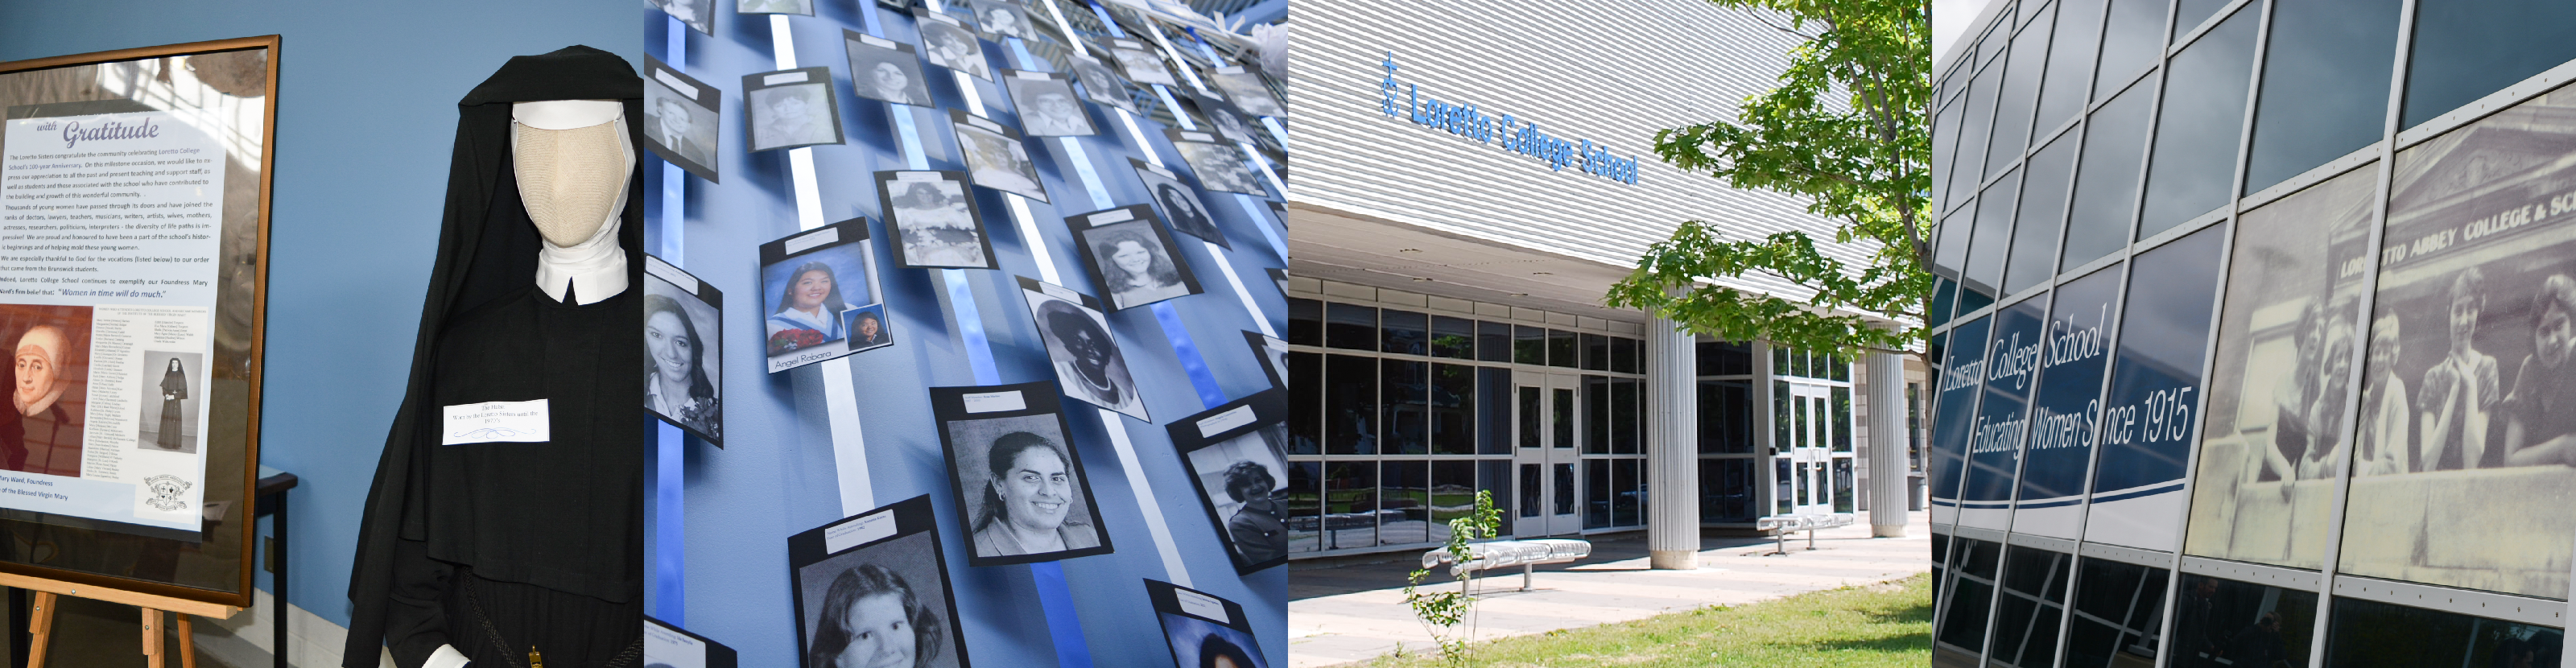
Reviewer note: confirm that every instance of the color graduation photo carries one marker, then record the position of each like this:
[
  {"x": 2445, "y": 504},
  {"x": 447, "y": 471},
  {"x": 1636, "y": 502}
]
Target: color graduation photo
[
  {"x": 683, "y": 350},
  {"x": 809, "y": 281},
  {"x": 1017, "y": 478},
  {"x": 934, "y": 220}
]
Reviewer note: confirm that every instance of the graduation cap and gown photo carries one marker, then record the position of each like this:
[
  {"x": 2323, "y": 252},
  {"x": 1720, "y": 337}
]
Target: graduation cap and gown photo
[{"x": 505, "y": 524}]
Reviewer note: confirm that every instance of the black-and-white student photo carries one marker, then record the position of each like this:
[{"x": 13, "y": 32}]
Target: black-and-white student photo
[
  {"x": 680, "y": 118},
  {"x": 808, "y": 281},
  {"x": 791, "y": 108},
  {"x": 170, "y": 401},
  {"x": 668, "y": 646},
  {"x": 995, "y": 158},
  {"x": 1132, "y": 259},
  {"x": 1180, "y": 203},
  {"x": 1220, "y": 167},
  {"x": 872, "y": 591},
  {"x": 885, "y": 70},
  {"x": 868, "y": 326},
  {"x": 1046, "y": 104},
  {"x": 1237, "y": 453},
  {"x": 683, "y": 350},
  {"x": 1017, "y": 476},
  {"x": 2471, "y": 339},
  {"x": 1141, "y": 64},
  {"x": 1101, "y": 85},
  {"x": 1204, "y": 631},
  {"x": 1087, "y": 361},
  {"x": 804, "y": 7},
  {"x": 950, "y": 43},
  {"x": 1273, "y": 352},
  {"x": 1249, "y": 93},
  {"x": 934, "y": 220},
  {"x": 1229, "y": 123},
  {"x": 1003, "y": 19},
  {"x": 699, "y": 14}
]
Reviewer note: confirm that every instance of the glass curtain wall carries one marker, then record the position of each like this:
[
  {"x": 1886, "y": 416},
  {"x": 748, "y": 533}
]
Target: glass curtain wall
[
  {"x": 1729, "y": 475},
  {"x": 2252, "y": 325}
]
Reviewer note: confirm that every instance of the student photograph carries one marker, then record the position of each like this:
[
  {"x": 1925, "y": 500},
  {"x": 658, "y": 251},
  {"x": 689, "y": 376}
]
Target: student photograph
[
  {"x": 1249, "y": 93},
  {"x": 2459, "y": 394},
  {"x": 1142, "y": 66},
  {"x": 1196, "y": 638},
  {"x": 934, "y": 221},
  {"x": 877, "y": 597},
  {"x": 1046, "y": 105},
  {"x": 873, "y": 618},
  {"x": 1220, "y": 167},
  {"x": 1087, "y": 361},
  {"x": 1000, "y": 19},
  {"x": 808, "y": 310},
  {"x": 1101, "y": 85},
  {"x": 1020, "y": 488},
  {"x": 804, "y": 7},
  {"x": 793, "y": 115},
  {"x": 1135, "y": 268},
  {"x": 1183, "y": 209},
  {"x": 867, "y": 327},
  {"x": 953, "y": 47},
  {"x": 2539, "y": 414},
  {"x": 1027, "y": 499},
  {"x": 885, "y": 70},
  {"x": 677, "y": 384},
  {"x": 995, "y": 158},
  {"x": 1237, "y": 453}
]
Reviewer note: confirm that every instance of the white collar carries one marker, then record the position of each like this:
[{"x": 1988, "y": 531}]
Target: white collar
[{"x": 595, "y": 268}]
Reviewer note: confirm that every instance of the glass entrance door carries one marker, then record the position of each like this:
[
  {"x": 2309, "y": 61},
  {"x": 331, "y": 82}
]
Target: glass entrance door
[
  {"x": 1809, "y": 456},
  {"x": 1546, "y": 423}
]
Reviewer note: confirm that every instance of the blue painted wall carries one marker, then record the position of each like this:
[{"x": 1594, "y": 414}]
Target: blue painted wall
[
  {"x": 776, "y": 475},
  {"x": 366, "y": 119}
]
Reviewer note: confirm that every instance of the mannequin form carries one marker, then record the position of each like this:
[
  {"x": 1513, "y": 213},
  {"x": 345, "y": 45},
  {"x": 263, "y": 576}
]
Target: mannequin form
[
  {"x": 572, "y": 160},
  {"x": 506, "y": 554}
]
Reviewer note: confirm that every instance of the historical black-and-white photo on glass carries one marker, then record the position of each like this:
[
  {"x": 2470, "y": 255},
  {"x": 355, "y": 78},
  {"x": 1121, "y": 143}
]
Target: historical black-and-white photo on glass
[
  {"x": 1003, "y": 19},
  {"x": 1204, "y": 631},
  {"x": 1087, "y": 361},
  {"x": 885, "y": 70},
  {"x": 668, "y": 646},
  {"x": 683, "y": 350},
  {"x": 698, "y": 14},
  {"x": 170, "y": 401},
  {"x": 1132, "y": 258},
  {"x": 1248, "y": 92},
  {"x": 802, "y": 7},
  {"x": 995, "y": 158},
  {"x": 1179, "y": 202},
  {"x": 1229, "y": 123},
  {"x": 1046, "y": 104},
  {"x": 1017, "y": 477},
  {"x": 680, "y": 118},
  {"x": 872, "y": 591},
  {"x": 1101, "y": 85},
  {"x": 1220, "y": 167},
  {"x": 1140, "y": 62},
  {"x": 934, "y": 220},
  {"x": 807, "y": 281},
  {"x": 868, "y": 326},
  {"x": 1273, "y": 352},
  {"x": 1237, "y": 453},
  {"x": 791, "y": 108},
  {"x": 949, "y": 42}
]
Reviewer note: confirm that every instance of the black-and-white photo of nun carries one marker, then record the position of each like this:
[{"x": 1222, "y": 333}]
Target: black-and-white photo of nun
[{"x": 170, "y": 404}]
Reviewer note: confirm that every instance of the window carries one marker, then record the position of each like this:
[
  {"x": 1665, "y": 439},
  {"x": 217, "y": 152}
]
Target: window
[
  {"x": 2070, "y": 63},
  {"x": 2196, "y": 135},
  {"x": 2106, "y": 180},
  {"x": 2325, "y": 85},
  {"x": 1351, "y": 327},
  {"x": 1404, "y": 332},
  {"x": 2119, "y": 612},
  {"x": 2466, "y": 49},
  {"x": 1305, "y": 322},
  {"x": 1453, "y": 338},
  {"x": 2042, "y": 216},
  {"x": 2131, "y": 41}
]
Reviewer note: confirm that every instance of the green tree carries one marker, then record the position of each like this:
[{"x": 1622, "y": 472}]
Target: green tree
[{"x": 1846, "y": 131}]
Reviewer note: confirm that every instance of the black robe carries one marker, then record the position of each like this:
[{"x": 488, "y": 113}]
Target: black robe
[
  {"x": 174, "y": 389},
  {"x": 498, "y": 547}
]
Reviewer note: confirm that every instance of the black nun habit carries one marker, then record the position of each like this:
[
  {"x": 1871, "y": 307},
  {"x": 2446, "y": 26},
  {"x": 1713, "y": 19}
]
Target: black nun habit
[{"x": 498, "y": 548}]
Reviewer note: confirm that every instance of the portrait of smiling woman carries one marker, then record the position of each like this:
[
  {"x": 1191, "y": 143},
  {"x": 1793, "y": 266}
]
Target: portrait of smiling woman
[
  {"x": 676, "y": 382},
  {"x": 873, "y": 618},
  {"x": 809, "y": 310},
  {"x": 1028, "y": 499},
  {"x": 1135, "y": 267}
]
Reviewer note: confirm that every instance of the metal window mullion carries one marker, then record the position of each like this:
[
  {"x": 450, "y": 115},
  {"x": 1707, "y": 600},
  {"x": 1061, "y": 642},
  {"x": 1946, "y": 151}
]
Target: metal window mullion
[
  {"x": 2093, "y": 463},
  {"x": 2021, "y": 458}
]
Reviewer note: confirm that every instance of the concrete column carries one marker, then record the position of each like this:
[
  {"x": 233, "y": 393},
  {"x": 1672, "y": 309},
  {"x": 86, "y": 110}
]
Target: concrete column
[
  {"x": 1887, "y": 440},
  {"x": 1672, "y": 446}
]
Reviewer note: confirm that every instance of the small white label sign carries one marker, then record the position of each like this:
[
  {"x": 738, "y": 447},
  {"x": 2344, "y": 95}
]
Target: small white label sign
[
  {"x": 677, "y": 86},
  {"x": 783, "y": 78},
  {"x": 995, "y": 402},
  {"x": 1219, "y": 423},
  {"x": 1202, "y": 605},
  {"x": 818, "y": 238},
  {"x": 861, "y": 531},
  {"x": 496, "y": 422}
]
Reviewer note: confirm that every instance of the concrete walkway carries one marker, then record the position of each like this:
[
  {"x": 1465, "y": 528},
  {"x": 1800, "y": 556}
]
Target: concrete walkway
[{"x": 1346, "y": 612}]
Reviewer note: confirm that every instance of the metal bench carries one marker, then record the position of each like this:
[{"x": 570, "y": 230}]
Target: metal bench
[
  {"x": 1807, "y": 522},
  {"x": 1527, "y": 554}
]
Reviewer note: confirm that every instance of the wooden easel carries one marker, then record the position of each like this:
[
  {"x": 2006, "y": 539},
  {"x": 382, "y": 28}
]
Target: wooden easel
[{"x": 41, "y": 622}]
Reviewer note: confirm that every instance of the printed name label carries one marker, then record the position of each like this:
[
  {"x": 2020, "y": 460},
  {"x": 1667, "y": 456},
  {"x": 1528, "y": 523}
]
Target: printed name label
[
  {"x": 1221, "y": 422},
  {"x": 496, "y": 422},
  {"x": 864, "y": 530},
  {"x": 995, "y": 402},
  {"x": 1202, "y": 605},
  {"x": 678, "y": 86}
]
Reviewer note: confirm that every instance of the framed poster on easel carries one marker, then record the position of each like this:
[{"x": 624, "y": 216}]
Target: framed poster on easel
[{"x": 134, "y": 195}]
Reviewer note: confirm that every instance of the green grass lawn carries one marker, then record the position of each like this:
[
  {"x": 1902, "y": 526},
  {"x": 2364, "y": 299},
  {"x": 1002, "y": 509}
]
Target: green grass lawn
[{"x": 1884, "y": 625}]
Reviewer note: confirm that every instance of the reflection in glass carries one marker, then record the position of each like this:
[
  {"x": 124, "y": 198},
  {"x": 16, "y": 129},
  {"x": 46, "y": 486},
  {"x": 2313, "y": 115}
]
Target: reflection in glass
[
  {"x": 1494, "y": 342},
  {"x": 2020, "y": 93},
  {"x": 1305, "y": 506},
  {"x": 1305, "y": 403},
  {"x": 1531, "y": 491},
  {"x": 1625, "y": 497},
  {"x": 1954, "y": 416},
  {"x": 1453, "y": 409},
  {"x": 1404, "y": 332},
  {"x": 1529, "y": 345},
  {"x": 2325, "y": 85},
  {"x": 2465, "y": 49},
  {"x": 2065, "y": 405},
  {"x": 2204, "y": 115},
  {"x": 1945, "y": 138},
  {"x": 1944, "y": 296},
  {"x": 1724, "y": 358},
  {"x": 1453, "y": 337},
  {"x": 2119, "y": 614},
  {"x": 1495, "y": 476},
  {"x": 1350, "y": 394},
  {"x": 2070, "y": 63},
  {"x": 2106, "y": 181},
  {"x": 1564, "y": 489},
  {"x": 1985, "y": 270},
  {"x": 1596, "y": 352},
  {"x": 1961, "y": 635},
  {"x": 1950, "y": 251},
  {"x": 1560, "y": 348},
  {"x": 1494, "y": 412},
  {"x": 1969, "y": 170},
  {"x": 1995, "y": 447},
  {"x": 2131, "y": 40},
  {"x": 1596, "y": 505},
  {"x": 2026, "y": 615},
  {"x": 2189, "y": 14},
  {"x": 1531, "y": 433},
  {"x": 1842, "y": 422},
  {"x": 2043, "y": 215},
  {"x": 1350, "y": 505},
  {"x": 1843, "y": 496},
  {"x": 1407, "y": 406},
  {"x": 1725, "y": 417},
  {"x": 1626, "y": 407},
  {"x": 1563, "y": 418},
  {"x": 1625, "y": 355},
  {"x": 2368, "y": 634},
  {"x": 1453, "y": 494},
  {"x": 1350, "y": 326},
  {"x": 1305, "y": 322},
  {"x": 1726, "y": 490},
  {"x": 1596, "y": 415},
  {"x": 2155, "y": 378},
  {"x": 2241, "y": 623},
  {"x": 1405, "y": 497},
  {"x": 2285, "y": 335}
]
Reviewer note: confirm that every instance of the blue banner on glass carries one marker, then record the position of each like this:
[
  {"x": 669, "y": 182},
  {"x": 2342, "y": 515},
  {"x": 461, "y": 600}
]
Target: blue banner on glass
[
  {"x": 2067, "y": 404},
  {"x": 1954, "y": 415},
  {"x": 1994, "y": 444},
  {"x": 2155, "y": 384}
]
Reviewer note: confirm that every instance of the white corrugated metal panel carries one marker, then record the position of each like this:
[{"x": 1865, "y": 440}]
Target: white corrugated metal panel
[{"x": 1611, "y": 72}]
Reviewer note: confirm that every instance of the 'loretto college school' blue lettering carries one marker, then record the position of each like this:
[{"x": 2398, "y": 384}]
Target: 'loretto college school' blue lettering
[{"x": 1470, "y": 122}]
